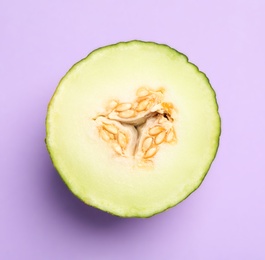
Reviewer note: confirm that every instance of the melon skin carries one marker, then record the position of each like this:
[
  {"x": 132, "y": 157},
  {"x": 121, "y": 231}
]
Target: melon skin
[{"x": 75, "y": 177}]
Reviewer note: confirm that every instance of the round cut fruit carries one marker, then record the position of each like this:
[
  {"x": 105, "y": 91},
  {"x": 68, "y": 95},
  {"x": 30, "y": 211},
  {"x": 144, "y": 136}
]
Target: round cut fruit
[{"x": 133, "y": 128}]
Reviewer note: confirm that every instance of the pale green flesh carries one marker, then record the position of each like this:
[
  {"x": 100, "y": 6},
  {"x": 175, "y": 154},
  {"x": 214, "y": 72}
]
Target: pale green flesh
[{"x": 87, "y": 164}]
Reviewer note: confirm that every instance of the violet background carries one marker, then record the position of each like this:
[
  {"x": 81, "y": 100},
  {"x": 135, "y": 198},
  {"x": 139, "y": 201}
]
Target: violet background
[{"x": 41, "y": 219}]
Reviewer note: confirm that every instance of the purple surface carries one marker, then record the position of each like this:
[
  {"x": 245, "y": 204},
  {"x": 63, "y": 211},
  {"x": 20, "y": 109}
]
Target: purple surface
[{"x": 41, "y": 219}]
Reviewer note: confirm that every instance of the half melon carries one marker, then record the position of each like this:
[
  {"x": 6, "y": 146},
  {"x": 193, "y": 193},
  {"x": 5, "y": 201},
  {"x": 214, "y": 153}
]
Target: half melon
[{"x": 133, "y": 128}]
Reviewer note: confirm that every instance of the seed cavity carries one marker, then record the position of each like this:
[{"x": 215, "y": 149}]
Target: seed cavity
[{"x": 137, "y": 129}]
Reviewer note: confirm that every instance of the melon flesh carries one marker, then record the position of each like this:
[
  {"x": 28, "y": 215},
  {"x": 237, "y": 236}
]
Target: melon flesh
[{"x": 115, "y": 183}]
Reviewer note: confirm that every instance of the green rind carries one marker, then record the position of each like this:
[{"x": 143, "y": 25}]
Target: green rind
[{"x": 206, "y": 171}]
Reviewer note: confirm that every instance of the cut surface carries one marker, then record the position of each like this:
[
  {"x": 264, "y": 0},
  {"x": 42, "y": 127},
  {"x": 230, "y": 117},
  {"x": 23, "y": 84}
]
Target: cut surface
[{"x": 133, "y": 128}]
